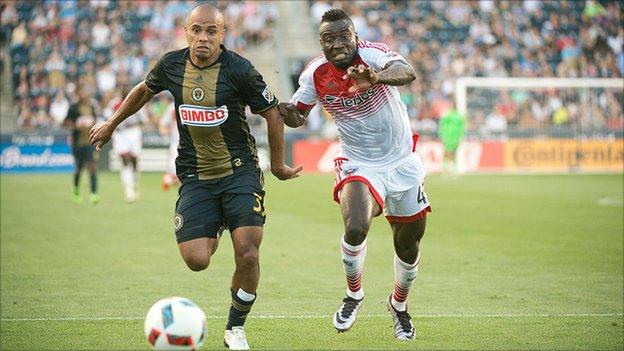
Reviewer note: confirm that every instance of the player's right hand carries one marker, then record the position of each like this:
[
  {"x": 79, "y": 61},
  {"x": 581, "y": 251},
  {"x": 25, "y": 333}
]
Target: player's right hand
[
  {"x": 100, "y": 134},
  {"x": 290, "y": 115},
  {"x": 284, "y": 172}
]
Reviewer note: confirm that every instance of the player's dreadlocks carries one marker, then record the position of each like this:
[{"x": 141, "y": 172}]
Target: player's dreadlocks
[{"x": 334, "y": 15}]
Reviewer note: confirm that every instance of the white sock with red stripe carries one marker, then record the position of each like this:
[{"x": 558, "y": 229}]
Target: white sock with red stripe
[
  {"x": 353, "y": 260},
  {"x": 404, "y": 275}
]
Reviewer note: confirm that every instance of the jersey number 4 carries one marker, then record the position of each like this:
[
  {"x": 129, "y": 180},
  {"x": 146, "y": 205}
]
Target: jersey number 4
[{"x": 422, "y": 197}]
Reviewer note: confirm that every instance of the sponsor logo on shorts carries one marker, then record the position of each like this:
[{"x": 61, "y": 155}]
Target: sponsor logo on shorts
[
  {"x": 201, "y": 116},
  {"x": 178, "y": 221}
]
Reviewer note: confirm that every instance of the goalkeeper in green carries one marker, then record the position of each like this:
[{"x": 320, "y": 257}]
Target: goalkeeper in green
[{"x": 451, "y": 130}]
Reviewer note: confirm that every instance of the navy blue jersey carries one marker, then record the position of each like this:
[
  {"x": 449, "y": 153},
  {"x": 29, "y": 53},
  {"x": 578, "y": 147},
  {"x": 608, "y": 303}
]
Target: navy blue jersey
[{"x": 210, "y": 110}]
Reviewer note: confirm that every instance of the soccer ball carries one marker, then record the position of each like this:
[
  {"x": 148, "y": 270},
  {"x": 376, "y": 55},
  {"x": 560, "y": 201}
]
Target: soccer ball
[{"x": 175, "y": 323}]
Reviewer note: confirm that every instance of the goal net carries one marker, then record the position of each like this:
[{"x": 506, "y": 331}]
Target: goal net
[
  {"x": 541, "y": 107},
  {"x": 541, "y": 124}
]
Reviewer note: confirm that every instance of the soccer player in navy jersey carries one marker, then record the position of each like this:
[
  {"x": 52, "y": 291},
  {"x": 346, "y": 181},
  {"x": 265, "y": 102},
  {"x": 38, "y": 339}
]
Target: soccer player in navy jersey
[{"x": 217, "y": 162}]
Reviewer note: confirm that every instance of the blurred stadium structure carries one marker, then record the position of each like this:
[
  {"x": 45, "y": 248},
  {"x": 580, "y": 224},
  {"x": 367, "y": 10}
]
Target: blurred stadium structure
[{"x": 50, "y": 46}]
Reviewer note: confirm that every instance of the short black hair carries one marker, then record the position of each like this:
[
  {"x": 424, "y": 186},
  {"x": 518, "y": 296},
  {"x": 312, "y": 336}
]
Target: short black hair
[{"x": 334, "y": 15}]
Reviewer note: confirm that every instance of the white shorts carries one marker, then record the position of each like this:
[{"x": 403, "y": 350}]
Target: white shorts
[
  {"x": 399, "y": 191},
  {"x": 128, "y": 141}
]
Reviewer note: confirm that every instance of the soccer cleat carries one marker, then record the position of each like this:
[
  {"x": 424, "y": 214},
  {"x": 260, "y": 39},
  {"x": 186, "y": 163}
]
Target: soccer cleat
[
  {"x": 77, "y": 198},
  {"x": 130, "y": 195},
  {"x": 235, "y": 339},
  {"x": 345, "y": 317},
  {"x": 403, "y": 327},
  {"x": 94, "y": 199}
]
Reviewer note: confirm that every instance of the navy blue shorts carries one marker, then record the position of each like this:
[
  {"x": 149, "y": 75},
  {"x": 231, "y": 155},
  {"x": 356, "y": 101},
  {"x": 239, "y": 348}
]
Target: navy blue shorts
[
  {"x": 83, "y": 154},
  {"x": 203, "y": 206}
]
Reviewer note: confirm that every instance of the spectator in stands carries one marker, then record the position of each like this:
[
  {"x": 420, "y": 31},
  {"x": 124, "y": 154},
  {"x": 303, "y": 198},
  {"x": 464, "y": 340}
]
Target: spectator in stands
[
  {"x": 54, "y": 43},
  {"x": 527, "y": 38},
  {"x": 59, "y": 108},
  {"x": 442, "y": 39}
]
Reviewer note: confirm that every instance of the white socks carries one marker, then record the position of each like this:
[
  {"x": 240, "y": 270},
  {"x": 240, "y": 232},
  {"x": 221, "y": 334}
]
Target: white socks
[
  {"x": 404, "y": 275},
  {"x": 353, "y": 260},
  {"x": 128, "y": 182}
]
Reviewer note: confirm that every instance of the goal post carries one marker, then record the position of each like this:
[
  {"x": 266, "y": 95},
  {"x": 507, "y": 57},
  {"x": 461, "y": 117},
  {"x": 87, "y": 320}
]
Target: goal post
[
  {"x": 541, "y": 124},
  {"x": 463, "y": 83},
  {"x": 555, "y": 107}
]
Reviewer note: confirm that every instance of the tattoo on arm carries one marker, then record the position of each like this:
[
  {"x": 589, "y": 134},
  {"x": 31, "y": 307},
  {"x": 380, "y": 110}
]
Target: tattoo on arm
[{"x": 396, "y": 73}]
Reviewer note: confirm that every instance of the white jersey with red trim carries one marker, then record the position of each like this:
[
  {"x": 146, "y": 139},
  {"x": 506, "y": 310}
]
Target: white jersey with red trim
[{"x": 373, "y": 124}]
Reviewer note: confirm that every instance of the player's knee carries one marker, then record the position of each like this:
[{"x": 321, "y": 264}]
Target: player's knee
[
  {"x": 196, "y": 263},
  {"x": 249, "y": 258},
  {"x": 355, "y": 233},
  {"x": 407, "y": 255}
]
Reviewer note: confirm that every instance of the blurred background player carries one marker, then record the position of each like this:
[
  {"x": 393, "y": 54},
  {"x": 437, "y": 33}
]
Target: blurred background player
[
  {"x": 168, "y": 127},
  {"x": 127, "y": 144},
  {"x": 451, "y": 130},
  {"x": 376, "y": 169},
  {"x": 217, "y": 164},
  {"x": 81, "y": 116}
]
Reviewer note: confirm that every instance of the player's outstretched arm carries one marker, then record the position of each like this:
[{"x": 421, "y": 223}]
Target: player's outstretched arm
[
  {"x": 101, "y": 133},
  {"x": 292, "y": 116},
  {"x": 275, "y": 129},
  {"x": 394, "y": 73}
]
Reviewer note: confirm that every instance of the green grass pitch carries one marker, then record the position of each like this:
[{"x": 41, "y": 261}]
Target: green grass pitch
[{"x": 508, "y": 262}]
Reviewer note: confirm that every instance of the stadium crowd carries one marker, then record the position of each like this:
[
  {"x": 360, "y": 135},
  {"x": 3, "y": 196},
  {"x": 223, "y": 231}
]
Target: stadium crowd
[
  {"x": 56, "y": 45},
  {"x": 486, "y": 38}
]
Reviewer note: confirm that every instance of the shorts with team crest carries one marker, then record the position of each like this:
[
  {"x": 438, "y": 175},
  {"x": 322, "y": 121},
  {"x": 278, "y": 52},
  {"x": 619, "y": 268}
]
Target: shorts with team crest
[
  {"x": 399, "y": 191},
  {"x": 203, "y": 206}
]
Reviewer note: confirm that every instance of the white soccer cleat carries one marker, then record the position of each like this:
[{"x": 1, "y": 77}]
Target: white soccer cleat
[
  {"x": 402, "y": 322},
  {"x": 345, "y": 317},
  {"x": 130, "y": 195},
  {"x": 235, "y": 339}
]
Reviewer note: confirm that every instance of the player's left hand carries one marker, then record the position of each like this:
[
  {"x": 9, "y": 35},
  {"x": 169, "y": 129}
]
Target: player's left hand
[
  {"x": 364, "y": 77},
  {"x": 284, "y": 172}
]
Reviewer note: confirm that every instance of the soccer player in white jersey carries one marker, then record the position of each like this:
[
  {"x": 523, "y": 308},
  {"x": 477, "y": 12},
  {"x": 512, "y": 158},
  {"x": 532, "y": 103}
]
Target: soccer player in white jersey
[
  {"x": 377, "y": 170},
  {"x": 127, "y": 144}
]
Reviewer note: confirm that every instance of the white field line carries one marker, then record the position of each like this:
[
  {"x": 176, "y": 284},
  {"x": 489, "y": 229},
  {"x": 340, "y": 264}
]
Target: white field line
[{"x": 502, "y": 315}]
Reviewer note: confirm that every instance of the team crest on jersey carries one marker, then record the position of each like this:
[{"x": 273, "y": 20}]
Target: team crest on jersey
[
  {"x": 268, "y": 94},
  {"x": 201, "y": 116},
  {"x": 197, "y": 94}
]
